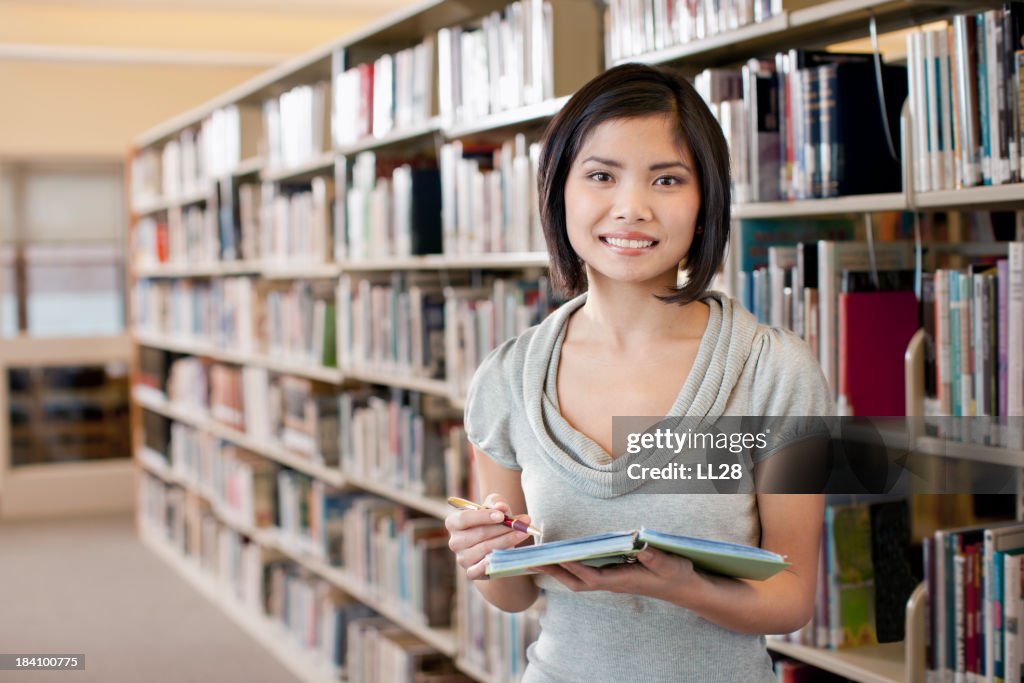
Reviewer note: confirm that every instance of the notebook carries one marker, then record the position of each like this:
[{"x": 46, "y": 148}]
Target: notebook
[{"x": 599, "y": 550}]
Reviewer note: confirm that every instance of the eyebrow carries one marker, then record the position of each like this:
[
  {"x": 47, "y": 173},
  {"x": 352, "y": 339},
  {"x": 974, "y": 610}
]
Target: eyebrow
[{"x": 653, "y": 167}]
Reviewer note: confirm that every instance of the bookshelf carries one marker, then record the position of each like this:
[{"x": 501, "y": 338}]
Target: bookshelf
[{"x": 417, "y": 136}]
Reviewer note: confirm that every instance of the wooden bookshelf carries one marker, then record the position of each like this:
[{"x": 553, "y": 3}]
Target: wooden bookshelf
[
  {"x": 440, "y": 638},
  {"x": 805, "y": 24},
  {"x": 867, "y": 664},
  {"x": 868, "y": 203},
  {"x": 314, "y": 166},
  {"x": 395, "y": 137},
  {"x": 264, "y": 631}
]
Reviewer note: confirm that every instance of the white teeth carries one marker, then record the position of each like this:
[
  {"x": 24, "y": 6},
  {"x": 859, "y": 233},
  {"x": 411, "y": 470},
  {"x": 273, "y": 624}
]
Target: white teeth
[{"x": 628, "y": 244}]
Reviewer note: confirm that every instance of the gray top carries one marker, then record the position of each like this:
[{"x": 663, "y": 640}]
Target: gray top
[{"x": 574, "y": 488}]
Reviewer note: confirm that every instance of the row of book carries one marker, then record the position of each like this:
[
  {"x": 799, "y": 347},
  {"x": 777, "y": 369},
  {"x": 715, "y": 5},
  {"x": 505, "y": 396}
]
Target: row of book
[
  {"x": 413, "y": 442},
  {"x": 974, "y": 583},
  {"x": 528, "y": 53},
  {"x": 869, "y": 563},
  {"x": 841, "y": 295},
  {"x": 494, "y": 641},
  {"x": 403, "y": 559},
  {"x": 489, "y": 197},
  {"x": 809, "y": 124},
  {"x": 637, "y": 27},
  {"x": 389, "y": 214},
  {"x": 404, "y": 439},
  {"x": 294, "y": 223},
  {"x": 337, "y": 634},
  {"x": 398, "y": 326},
  {"x": 965, "y": 92},
  {"x": 187, "y": 236},
  {"x": 297, "y": 125},
  {"x": 395, "y": 92},
  {"x": 973, "y": 319},
  {"x": 294, "y": 321},
  {"x": 186, "y": 164}
]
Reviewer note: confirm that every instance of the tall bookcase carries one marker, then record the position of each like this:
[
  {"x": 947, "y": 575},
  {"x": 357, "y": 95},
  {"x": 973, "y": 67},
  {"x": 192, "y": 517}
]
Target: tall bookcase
[{"x": 280, "y": 251}]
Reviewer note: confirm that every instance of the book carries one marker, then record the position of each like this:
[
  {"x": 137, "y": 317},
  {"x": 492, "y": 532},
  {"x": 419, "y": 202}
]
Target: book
[{"x": 599, "y": 550}]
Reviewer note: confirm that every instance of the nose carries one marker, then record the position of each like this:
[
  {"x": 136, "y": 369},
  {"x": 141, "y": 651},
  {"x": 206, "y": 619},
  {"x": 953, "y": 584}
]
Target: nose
[{"x": 631, "y": 205}]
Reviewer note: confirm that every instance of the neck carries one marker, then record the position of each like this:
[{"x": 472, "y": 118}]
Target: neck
[{"x": 622, "y": 317}]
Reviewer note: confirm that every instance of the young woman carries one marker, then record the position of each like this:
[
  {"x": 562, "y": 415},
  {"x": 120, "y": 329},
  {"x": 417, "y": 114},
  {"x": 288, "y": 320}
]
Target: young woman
[{"x": 634, "y": 183}]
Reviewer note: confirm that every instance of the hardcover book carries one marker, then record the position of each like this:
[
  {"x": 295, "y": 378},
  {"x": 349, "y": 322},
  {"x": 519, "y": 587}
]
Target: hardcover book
[{"x": 600, "y": 550}]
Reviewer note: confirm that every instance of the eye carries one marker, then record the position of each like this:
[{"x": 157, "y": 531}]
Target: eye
[
  {"x": 668, "y": 181},
  {"x": 600, "y": 176}
]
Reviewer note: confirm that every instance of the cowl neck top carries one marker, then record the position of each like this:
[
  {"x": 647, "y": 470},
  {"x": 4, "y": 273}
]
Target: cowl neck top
[{"x": 533, "y": 359}]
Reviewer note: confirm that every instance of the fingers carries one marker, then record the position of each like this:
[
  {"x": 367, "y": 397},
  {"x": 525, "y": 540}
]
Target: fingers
[
  {"x": 475, "y": 533},
  {"x": 494, "y": 500}
]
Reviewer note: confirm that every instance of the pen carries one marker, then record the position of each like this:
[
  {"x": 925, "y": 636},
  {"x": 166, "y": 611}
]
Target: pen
[{"x": 463, "y": 504}]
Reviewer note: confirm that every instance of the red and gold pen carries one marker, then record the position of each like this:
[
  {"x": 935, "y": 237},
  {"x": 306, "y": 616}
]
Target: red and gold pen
[{"x": 463, "y": 504}]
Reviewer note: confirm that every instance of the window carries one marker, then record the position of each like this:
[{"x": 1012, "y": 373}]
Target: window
[{"x": 62, "y": 242}]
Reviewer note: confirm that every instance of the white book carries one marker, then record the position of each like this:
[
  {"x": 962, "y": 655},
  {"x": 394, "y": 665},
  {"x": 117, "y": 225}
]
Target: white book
[
  {"x": 916, "y": 66},
  {"x": 946, "y": 114},
  {"x": 931, "y": 78},
  {"x": 997, "y": 154},
  {"x": 780, "y": 261},
  {"x": 1015, "y": 341}
]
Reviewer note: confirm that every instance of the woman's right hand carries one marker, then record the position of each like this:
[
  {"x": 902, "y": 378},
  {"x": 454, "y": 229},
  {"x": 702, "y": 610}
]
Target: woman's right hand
[{"x": 475, "y": 533}]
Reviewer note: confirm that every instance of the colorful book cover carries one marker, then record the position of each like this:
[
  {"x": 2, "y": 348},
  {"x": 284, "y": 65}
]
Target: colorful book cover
[{"x": 851, "y": 576}]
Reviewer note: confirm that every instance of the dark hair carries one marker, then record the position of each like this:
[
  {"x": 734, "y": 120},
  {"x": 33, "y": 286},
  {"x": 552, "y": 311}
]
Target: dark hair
[{"x": 627, "y": 91}]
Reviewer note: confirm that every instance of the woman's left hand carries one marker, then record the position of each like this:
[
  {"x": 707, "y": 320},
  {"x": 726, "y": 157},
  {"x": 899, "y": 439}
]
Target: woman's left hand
[{"x": 657, "y": 575}]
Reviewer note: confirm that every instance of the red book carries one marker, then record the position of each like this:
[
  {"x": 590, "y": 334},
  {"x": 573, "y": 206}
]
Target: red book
[
  {"x": 365, "y": 124},
  {"x": 874, "y": 331}
]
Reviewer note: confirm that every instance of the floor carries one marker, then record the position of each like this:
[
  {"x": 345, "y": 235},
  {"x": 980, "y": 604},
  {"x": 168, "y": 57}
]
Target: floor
[{"x": 89, "y": 586}]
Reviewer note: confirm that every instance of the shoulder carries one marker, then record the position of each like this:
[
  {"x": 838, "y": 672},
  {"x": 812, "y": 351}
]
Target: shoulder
[{"x": 787, "y": 378}]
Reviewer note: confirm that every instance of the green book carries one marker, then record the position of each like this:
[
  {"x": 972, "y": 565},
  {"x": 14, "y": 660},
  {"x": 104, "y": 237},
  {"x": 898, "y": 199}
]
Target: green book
[{"x": 599, "y": 550}]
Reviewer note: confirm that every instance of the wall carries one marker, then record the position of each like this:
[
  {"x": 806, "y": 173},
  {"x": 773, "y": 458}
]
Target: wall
[{"x": 83, "y": 79}]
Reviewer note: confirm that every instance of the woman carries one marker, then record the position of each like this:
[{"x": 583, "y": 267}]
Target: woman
[{"x": 634, "y": 183}]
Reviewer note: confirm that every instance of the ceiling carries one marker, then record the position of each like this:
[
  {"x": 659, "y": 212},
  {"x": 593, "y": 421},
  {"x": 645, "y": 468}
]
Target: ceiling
[{"x": 327, "y": 7}]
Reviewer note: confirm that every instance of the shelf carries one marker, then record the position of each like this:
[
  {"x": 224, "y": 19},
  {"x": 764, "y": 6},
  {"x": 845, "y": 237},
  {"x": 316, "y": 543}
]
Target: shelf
[
  {"x": 298, "y": 271},
  {"x": 314, "y": 166},
  {"x": 864, "y": 203},
  {"x": 435, "y": 507},
  {"x": 249, "y": 167},
  {"x": 434, "y": 387},
  {"x": 267, "y": 633},
  {"x": 393, "y": 138},
  {"x": 993, "y": 455},
  {"x": 152, "y": 400},
  {"x": 869, "y": 664},
  {"x": 442, "y": 262},
  {"x": 989, "y": 195},
  {"x": 297, "y": 368},
  {"x": 169, "y": 270},
  {"x": 442, "y": 639},
  {"x": 505, "y": 119},
  {"x": 743, "y": 39},
  {"x": 164, "y": 203}
]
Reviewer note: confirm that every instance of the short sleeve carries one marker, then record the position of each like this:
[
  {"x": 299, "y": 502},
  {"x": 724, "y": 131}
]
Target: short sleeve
[
  {"x": 490, "y": 407},
  {"x": 790, "y": 390}
]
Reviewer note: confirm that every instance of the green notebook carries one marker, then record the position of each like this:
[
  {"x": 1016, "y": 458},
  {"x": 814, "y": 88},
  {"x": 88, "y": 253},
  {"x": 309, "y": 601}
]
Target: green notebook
[{"x": 719, "y": 557}]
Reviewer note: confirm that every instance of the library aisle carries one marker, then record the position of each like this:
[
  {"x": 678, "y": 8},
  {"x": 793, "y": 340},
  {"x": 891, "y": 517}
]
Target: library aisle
[{"x": 89, "y": 586}]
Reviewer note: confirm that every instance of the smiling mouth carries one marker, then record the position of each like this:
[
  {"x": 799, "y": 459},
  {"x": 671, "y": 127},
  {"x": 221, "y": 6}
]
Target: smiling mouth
[{"x": 628, "y": 244}]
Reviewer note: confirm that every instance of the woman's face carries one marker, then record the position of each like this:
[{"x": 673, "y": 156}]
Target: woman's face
[{"x": 631, "y": 201}]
